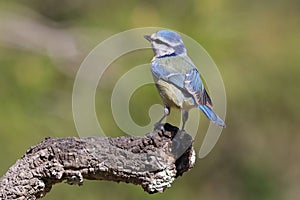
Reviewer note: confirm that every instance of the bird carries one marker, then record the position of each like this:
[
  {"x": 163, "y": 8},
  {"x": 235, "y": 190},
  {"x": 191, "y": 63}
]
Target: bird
[{"x": 177, "y": 79}]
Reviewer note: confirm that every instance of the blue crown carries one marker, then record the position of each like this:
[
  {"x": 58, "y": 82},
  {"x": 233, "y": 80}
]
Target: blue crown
[{"x": 169, "y": 35}]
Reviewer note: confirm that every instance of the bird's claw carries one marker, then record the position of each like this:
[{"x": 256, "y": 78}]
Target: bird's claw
[{"x": 159, "y": 126}]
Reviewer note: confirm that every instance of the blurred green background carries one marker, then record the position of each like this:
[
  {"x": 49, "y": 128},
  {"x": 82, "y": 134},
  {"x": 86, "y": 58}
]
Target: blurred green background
[{"x": 255, "y": 44}]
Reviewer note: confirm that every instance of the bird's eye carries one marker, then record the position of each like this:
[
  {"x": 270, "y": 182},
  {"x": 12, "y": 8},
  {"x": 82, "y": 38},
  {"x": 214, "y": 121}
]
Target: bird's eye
[{"x": 158, "y": 41}]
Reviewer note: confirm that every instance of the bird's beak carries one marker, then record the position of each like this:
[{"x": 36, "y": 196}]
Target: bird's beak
[{"x": 148, "y": 37}]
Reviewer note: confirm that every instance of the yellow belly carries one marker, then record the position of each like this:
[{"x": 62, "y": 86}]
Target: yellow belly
[{"x": 172, "y": 96}]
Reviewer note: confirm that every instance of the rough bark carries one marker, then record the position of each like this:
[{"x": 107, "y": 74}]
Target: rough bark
[{"x": 153, "y": 161}]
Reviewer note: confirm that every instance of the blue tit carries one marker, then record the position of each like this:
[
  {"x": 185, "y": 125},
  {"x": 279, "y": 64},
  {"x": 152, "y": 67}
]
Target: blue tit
[{"x": 177, "y": 79}]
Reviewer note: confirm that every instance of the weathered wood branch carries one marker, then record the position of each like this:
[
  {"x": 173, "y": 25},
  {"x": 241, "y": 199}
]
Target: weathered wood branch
[{"x": 153, "y": 161}]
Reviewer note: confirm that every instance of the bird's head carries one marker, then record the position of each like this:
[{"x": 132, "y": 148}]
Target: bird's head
[{"x": 166, "y": 43}]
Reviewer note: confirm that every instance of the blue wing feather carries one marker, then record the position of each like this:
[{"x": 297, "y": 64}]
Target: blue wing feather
[
  {"x": 158, "y": 71},
  {"x": 193, "y": 81},
  {"x": 194, "y": 85}
]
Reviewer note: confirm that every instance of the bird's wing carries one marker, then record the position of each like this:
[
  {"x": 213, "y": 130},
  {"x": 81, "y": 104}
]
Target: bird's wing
[
  {"x": 193, "y": 84},
  {"x": 186, "y": 77},
  {"x": 168, "y": 74}
]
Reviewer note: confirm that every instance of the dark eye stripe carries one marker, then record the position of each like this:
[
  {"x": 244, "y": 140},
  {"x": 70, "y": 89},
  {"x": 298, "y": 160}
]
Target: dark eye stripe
[{"x": 161, "y": 42}]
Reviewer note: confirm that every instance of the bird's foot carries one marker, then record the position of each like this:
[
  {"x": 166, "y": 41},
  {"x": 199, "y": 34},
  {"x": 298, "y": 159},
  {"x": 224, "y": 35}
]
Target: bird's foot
[
  {"x": 159, "y": 126},
  {"x": 182, "y": 129}
]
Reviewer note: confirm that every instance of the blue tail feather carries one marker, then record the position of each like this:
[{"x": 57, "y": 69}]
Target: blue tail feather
[{"x": 211, "y": 115}]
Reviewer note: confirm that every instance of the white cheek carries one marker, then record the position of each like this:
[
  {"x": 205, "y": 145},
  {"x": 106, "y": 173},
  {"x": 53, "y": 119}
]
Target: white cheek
[{"x": 162, "y": 49}]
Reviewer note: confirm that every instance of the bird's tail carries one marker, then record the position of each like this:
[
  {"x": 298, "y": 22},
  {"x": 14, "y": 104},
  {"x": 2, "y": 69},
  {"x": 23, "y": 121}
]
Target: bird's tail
[{"x": 211, "y": 115}]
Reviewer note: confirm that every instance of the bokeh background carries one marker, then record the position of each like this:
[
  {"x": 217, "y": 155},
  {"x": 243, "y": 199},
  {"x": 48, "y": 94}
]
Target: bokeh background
[{"x": 254, "y": 43}]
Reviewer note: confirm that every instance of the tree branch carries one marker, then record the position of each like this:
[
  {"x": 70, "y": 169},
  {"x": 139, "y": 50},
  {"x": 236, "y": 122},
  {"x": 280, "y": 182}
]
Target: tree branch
[{"x": 153, "y": 161}]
